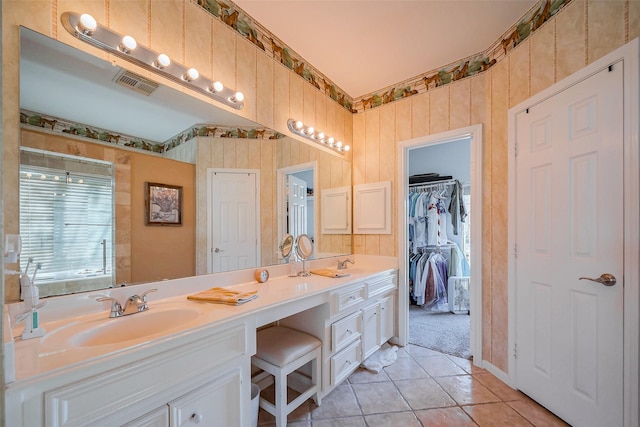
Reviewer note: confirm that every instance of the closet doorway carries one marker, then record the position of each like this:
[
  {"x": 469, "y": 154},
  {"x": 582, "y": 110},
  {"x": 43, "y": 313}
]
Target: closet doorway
[{"x": 439, "y": 250}]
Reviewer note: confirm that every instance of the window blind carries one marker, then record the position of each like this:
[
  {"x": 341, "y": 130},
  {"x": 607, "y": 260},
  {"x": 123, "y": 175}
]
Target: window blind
[{"x": 66, "y": 218}]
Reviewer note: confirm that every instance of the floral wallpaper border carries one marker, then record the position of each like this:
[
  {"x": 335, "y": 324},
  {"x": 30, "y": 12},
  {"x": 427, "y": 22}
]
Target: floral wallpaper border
[
  {"x": 470, "y": 66},
  {"x": 65, "y": 127},
  {"x": 245, "y": 25}
]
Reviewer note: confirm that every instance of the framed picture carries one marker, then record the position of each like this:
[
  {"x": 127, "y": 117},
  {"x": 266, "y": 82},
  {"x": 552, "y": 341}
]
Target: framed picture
[{"x": 163, "y": 204}]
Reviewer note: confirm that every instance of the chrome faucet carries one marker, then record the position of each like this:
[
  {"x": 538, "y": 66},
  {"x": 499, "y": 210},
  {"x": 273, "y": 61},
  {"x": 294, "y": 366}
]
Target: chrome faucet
[
  {"x": 342, "y": 265},
  {"x": 134, "y": 304}
]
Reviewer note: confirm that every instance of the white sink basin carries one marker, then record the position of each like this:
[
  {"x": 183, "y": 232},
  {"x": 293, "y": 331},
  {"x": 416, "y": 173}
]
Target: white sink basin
[{"x": 104, "y": 331}]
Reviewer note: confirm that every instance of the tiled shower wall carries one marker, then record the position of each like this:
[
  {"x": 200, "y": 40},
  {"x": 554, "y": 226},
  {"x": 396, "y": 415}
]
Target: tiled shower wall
[
  {"x": 582, "y": 32},
  {"x": 578, "y": 35}
]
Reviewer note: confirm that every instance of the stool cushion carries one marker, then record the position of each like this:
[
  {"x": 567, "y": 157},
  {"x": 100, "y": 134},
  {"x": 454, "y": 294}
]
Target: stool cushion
[{"x": 280, "y": 346}]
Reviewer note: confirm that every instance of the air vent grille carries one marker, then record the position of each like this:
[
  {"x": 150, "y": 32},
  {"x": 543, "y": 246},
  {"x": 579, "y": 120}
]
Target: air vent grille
[{"x": 133, "y": 81}]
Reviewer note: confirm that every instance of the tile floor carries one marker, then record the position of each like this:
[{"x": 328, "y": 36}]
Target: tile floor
[{"x": 422, "y": 388}]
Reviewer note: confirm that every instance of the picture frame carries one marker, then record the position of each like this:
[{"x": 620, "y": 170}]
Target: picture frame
[{"x": 162, "y": 204}]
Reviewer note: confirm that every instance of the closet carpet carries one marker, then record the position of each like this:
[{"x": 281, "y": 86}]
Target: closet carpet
[{"x": 440, "y": 331}]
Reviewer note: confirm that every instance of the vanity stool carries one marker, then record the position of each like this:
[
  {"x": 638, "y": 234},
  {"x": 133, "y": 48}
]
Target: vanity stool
[{"x": 280, "y": 352}]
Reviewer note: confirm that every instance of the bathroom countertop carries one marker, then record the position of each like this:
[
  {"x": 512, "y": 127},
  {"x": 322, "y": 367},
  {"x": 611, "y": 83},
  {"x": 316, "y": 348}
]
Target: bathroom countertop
[{"x": 279, "y": 297}]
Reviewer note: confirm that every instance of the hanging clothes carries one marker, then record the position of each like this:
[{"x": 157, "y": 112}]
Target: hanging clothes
[
  {"x": 428, "y": 276},
  {"x": 457, "y": 209}
]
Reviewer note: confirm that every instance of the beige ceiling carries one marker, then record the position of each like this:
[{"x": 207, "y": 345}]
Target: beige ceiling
[{"x": 367, "y": 45}]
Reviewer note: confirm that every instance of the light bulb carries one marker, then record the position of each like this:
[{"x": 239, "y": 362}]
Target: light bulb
[
  {"x": 346, "y": 148},
  {"x": 127, "y": 44},
  {"x": 80, "y": 181},
  {"x": 238, "y": 97},
  {"x": 87, "y": 24},
  {"x": 330, "y": 141},
  {"x": 310, "y": 130},
  {"x": 320, "y": 136},
  {"x": 299, "y": 125},
  {"x": 216, "y": 87},
  {"x": 28, "y": 174},
  {"x": 162, "y": 61},
  {"x": 339, "y": 144},
  {"x": 56, "y": 178},
  {"x": 191, "y": 74},
  {"x": 43, "y": 176}
]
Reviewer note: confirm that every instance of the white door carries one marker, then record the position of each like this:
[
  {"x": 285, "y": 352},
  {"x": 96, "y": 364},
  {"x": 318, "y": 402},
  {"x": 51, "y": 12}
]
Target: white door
[
  {"x": 297, "y": 205},
  {"x": 234, "y": 240},
  {"x": 569, "y": 207}
]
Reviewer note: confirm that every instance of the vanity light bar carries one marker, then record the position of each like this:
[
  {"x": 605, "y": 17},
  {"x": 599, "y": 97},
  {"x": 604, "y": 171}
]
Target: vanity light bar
[
  {"x": 85, "y": 28},
  {"x": 308, "y": 132}
]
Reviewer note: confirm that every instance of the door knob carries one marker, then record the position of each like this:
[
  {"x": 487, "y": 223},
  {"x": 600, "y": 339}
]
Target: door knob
[
  {"x": 217, "y": 250},
  {"x": 605, "y": 279}
]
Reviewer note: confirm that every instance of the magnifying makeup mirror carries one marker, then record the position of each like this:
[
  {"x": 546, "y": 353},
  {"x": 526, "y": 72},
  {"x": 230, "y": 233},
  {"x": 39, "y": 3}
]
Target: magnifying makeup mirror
[
  {"x": 286, "y": 246},
  {"x": 304, "y": 251}
]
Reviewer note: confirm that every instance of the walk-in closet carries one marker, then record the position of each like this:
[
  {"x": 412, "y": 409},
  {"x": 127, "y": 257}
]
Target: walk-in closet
[{"x": 439, "y": 247}]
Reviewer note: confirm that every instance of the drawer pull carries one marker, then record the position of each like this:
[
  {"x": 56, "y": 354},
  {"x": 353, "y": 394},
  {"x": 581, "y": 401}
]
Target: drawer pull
[
  {"x": 352, "y": 297},
  {"x": 349, "y": 331},
  {"x": 348, "y": 362},
  {"x": 196, "y": 418}
]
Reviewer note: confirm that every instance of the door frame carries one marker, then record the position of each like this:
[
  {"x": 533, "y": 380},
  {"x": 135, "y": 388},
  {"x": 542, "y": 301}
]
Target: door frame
[
  {"x": 628, "y": 54},
  {"x": 281, "y": 182},
  {"x": 402, "y": 189},
  {"x": 210, "y": 173}
]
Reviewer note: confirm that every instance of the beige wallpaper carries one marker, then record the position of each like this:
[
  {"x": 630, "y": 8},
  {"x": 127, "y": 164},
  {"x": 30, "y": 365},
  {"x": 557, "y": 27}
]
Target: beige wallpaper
[
  {"x": 576, "y": 36},
  {"x": 582, "y": 32}
]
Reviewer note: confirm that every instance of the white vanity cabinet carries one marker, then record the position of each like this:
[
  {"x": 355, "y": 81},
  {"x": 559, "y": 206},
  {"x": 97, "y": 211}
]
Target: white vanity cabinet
[
  {"x": 387, "y": 318},
  {"x": 378, "y": 324},
  {"x": 214, "y": 404},
  {"x": 201, "y": 378},
  {"x": 362, "y": 319},
  {"x": 157, "y": 418}
]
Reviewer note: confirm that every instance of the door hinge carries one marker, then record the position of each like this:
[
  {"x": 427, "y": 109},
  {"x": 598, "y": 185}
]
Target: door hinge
[
  {"x": 515, "y": 251},
  {"x": 515, "y": 150},
  {"x": 515, "y": 351}
]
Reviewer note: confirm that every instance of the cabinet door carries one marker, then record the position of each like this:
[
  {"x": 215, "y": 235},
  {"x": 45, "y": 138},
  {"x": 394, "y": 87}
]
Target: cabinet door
[
  {"x": 387, "y": 318},
  {"x": 370, "y": 330},
  {"x": 217, "y": 403},
  {"x": 157, "y": 418}
]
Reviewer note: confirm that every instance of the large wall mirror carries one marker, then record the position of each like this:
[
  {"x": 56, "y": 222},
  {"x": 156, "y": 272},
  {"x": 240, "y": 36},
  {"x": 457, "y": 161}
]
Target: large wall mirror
[{"x": 78, "y": 120}]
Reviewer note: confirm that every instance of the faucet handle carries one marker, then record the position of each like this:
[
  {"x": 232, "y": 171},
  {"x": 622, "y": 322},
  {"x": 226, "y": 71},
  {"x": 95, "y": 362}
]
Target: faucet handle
[
  {"x": 145, "y": 293},
  {"x": 116, "y": 308}
]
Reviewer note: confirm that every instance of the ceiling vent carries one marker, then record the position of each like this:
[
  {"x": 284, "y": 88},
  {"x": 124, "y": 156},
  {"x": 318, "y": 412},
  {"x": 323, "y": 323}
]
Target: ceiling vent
[{"x": 134, "y": 81}]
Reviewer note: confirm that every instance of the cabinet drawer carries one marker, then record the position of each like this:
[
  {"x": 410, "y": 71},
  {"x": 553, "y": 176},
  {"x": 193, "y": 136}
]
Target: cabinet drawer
[
  {"x": 345, "y": 362},
  {"x": 214, "y": 404},
  {"x": 345, "y": 331},
  {"x": 348, "y": 298},
  {"x": 380, "y": 286}
]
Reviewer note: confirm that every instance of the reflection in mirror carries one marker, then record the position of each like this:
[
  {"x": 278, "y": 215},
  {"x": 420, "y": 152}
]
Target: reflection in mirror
[
  {"x": 66, "y": 221},
  {"x": 296, "y": 193},
  {"x": 304, "y": 251},
  {"x": 286, "y": 245},
  {"x": 143, "y": 138}
]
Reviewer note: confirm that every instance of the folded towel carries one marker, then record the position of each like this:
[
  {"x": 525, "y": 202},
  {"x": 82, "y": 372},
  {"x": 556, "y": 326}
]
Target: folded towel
[
  {"x": 224, "y": 296},
  {"x": 327, "y": 272}
]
